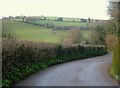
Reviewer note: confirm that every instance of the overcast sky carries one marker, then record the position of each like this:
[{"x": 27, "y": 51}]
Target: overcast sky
[{"x": 96, "y": 9}]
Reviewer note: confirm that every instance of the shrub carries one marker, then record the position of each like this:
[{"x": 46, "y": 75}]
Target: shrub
[
  {"x": 98, "y": 35},
  {"x": 110, "y": 41},
  {"x": 22, "y": 58}
]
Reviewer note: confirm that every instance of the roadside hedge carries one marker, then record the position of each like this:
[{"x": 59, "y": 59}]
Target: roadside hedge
[{"x": 22, "y": 58}]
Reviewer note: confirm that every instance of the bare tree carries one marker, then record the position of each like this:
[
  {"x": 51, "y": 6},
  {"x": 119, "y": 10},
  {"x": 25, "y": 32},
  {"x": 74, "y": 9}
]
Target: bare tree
[
  {"x": 114, "y": 12},
  {"x": 74, "y": 36}
]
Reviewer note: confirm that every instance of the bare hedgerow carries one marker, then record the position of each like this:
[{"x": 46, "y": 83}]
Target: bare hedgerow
[{"x": 22, "y": 58}]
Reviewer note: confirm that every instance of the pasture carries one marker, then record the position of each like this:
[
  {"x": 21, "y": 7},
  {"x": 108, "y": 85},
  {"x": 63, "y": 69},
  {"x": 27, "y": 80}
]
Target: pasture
[
  {"x": 64, "y": 18},
  {"x": 58, "y": 23},
  {"x": 25, "y": 31}
]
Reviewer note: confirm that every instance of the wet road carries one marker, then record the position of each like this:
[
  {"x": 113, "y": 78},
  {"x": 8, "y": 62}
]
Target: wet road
[{"x": 87, "y": 72}]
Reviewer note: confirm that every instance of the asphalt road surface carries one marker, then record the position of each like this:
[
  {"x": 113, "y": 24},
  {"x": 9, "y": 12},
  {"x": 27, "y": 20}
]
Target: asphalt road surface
[{"x": 86, "y": 72}]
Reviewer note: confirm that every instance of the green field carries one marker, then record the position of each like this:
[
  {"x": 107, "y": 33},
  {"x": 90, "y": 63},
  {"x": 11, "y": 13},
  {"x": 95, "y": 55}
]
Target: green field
[
  {"x": 25, "y": 31},
  {"x": 64, "y": 18},
  {"x": 58, "y": 23},
  {"x": 86, "y": 33}
]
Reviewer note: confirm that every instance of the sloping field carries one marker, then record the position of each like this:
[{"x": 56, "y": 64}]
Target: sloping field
[{"x": 26, "y": 31}]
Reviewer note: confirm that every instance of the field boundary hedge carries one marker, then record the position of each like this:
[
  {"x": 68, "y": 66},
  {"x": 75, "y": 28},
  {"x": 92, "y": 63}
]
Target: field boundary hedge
[{"x": 23, "y": 58}]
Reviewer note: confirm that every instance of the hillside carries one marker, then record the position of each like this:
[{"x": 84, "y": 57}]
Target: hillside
[
  {"x": 25, "y": 31},
  {"x": 31, "y": 32}
]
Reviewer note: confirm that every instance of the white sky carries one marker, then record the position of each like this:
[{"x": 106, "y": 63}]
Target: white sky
[{"x": 96, "y": 9}]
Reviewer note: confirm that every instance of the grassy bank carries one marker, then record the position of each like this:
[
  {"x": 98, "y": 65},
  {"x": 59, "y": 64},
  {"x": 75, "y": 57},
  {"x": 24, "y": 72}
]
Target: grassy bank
[
  {"x": 22, "y": 58},
  {"x": 115, "y": 69}
]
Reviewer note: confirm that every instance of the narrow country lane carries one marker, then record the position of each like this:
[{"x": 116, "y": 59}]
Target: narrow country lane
[{"x": 86, "y": 72}]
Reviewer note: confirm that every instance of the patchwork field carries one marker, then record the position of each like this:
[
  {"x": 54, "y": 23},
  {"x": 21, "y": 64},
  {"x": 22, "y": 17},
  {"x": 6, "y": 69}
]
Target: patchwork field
[
  {"x": 58, "y": 23},
  {"x": 25, "y": 31},
  {"x": 64, "y": 18}
]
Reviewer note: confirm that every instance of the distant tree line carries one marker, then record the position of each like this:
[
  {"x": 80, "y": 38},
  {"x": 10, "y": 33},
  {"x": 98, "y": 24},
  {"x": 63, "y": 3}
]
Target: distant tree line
[{"x": 30, "y": 18}]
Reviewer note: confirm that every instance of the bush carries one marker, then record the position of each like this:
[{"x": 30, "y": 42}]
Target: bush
[
  {"x": 22, "y": 58},
  {"x": 110, "y": 41},
  {"x": 98, "y": 36}
]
